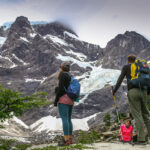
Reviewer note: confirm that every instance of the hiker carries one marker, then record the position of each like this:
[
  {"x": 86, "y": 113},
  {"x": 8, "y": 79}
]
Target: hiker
[
  {"x": 137, "y": 101},
  {"x": 126, "y": 131},
  {"x": 64, "y": 103}
]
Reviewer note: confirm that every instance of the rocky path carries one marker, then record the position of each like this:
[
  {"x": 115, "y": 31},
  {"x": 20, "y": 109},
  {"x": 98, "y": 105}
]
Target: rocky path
[
  {"x": 118, "y": 146},
  {"x": 105, "y": 146}
]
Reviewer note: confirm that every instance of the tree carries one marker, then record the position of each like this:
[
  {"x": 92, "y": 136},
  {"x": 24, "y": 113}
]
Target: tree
[
  {"x": 107, "y": 119},
  {"x": 14, "y": 103}
]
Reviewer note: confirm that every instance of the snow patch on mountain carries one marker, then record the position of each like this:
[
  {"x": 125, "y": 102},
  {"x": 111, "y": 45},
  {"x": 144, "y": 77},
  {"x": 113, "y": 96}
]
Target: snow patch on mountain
[
  {"x": 14, "y": 128},
  {"x": 81, "y": 56},
  {"x": 98, "y": 78},
  {"x": 17, "y": 120},
  {"x": 35, "y": 80},
  {"x": 33, "y": 35},
  {"x": 24, "y": 63},
  {"x": 70, "y": 35},
  {"x": 74, "y": 61},
  {"x": 24, "y": 39},
  {"x": 51, "y": 123},
  {"x": 2, "y": 40},
  {"x": 20, "y": 122},
  {"x": 7, "y": 58},
  {"x": 56, "y": 40},
  {"x": 123, "y": 43}
]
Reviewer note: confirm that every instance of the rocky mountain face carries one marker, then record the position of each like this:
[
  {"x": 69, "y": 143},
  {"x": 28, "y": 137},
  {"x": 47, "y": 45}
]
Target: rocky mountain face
[
  {"x": 117, "y": 50},
  {"x": 30, "y": 56},
  {"x": 29, "y": 53}
]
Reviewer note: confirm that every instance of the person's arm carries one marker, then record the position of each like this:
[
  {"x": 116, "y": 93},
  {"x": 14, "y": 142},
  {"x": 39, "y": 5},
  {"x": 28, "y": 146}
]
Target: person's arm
[
  {"x": 120, "y": 79},
  {"x": 132, "y": 132},
  {"x": 119, "y": 134},
  {"x": 60, "y": 88}
]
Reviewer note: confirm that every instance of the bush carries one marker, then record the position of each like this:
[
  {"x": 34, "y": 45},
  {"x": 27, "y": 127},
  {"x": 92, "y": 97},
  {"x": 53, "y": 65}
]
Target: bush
[
  {"x": 12, "y": 145},
  {"x": 107, "y": 119},
  {"x": 87, "y": 138},
  {"x": 6, "y": 144}
]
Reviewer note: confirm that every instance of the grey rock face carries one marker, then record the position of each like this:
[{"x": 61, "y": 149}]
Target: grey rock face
[
  {"x": 106, "y": 104},
  {"x": 32, "y": 55},
  {"x": 29, "y": 59},
  {"x": 117, "y": 50}
]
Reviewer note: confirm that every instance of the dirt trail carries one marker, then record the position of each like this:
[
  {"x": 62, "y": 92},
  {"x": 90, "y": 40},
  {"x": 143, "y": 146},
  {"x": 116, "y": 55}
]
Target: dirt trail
[
  {"x": 105, "y": 146},
  {"x": 119, "y": 146}
]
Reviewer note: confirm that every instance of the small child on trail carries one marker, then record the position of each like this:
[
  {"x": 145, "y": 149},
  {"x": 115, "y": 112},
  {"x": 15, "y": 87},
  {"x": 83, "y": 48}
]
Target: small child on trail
[{"x": 126, "y": 131}]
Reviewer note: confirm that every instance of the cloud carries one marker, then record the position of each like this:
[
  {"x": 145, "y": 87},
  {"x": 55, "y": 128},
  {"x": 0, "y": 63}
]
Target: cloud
[{"x": 95, "y": 21}]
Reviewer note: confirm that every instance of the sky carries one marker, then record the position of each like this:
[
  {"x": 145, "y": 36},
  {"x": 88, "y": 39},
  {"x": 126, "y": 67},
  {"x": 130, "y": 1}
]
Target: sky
[{"x": 94, "y": 21}]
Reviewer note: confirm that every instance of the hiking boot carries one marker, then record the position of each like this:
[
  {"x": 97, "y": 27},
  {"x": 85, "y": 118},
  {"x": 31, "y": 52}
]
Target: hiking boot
[
  {"x": 65, "y": 143},
  {"x": 140, "y": 143}
]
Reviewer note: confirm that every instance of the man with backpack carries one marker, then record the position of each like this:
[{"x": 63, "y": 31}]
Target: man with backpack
[{"x": 138, "y": 78}]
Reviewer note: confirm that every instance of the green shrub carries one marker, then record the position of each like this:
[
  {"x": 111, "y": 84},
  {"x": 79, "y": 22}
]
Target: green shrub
[
  {"x": 12, "y": 145},
  {"x": 6, "y": 144},
  {"x": 21, "y": 147},
  {"x": 87, "y": 138},
  {"x": 107, "y": 119},
  {"x": 121, "y": 116}
]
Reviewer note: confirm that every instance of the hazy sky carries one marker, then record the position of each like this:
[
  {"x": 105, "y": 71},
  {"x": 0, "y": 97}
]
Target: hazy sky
[{"x": 95, "y": 21}]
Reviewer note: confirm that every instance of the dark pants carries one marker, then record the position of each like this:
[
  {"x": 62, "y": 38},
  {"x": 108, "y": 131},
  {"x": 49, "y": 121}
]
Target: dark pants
[
  {"x": 139, "y": 111},
  {"x": 65, "y": 112}
]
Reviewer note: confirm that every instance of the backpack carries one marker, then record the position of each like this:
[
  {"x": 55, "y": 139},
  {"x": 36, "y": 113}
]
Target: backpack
[
  {"x": 73, "y": 90},
  {"x": 140, "y": 74}
]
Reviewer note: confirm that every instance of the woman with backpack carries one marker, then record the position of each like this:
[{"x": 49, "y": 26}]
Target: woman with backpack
[{"x": 64, "y": 103}]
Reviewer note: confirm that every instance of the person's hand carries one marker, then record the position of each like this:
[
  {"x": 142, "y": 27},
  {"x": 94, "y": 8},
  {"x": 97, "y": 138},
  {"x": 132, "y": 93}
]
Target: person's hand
[
  {"x": 112, "y": 92},
  {"x": 55, "y": 104},
  {"x": 56, "y": 90}
]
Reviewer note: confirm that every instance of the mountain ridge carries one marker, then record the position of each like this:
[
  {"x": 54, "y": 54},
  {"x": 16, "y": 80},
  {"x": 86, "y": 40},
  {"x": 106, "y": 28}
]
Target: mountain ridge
[{"x": 31, "y": 56}]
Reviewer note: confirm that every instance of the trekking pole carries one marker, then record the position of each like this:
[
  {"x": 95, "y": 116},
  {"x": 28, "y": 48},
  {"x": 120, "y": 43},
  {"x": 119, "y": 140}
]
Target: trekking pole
[{"x": 116, "y": 107}]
